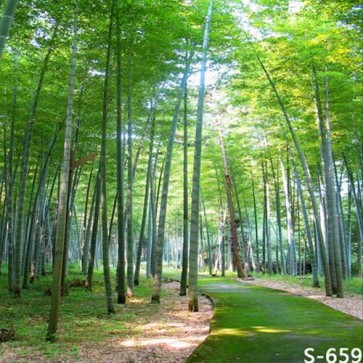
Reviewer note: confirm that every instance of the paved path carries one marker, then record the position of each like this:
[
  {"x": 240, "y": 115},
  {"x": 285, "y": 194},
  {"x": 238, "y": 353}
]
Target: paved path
[{"x": 253, "y": 324}]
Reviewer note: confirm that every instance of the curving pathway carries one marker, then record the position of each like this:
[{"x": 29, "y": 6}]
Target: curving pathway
[{"x": 254, "y": 324}]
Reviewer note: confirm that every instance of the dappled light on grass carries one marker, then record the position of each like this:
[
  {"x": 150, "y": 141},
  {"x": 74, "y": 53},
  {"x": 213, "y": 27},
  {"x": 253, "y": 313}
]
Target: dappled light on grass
[
  {"x": 135, "y": 300},
  {"x": 234, "y": 332},
  {"x": 264, "y": 329},
  {"x": 248, "y": 333}
]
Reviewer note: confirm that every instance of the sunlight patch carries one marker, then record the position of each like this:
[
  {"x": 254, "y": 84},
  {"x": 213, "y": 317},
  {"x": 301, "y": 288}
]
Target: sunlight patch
[
  {"x": 264, "y": 329},
  {"x": 236, "y": 332},
  {"x": 170, "y": 343}
]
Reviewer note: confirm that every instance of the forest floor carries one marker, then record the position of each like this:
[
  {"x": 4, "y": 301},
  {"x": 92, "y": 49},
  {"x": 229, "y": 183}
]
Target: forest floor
[
  {"x": 140, "y": 332},
  {"x": 169, "y": 337}
]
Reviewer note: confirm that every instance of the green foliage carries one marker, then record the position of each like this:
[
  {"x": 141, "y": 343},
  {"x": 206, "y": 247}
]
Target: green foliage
[{"x": 353, "y": 286}]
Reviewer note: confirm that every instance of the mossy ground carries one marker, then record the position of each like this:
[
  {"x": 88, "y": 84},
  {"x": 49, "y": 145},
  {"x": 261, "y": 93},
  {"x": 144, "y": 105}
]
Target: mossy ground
[{"x": 256, "y": 324}]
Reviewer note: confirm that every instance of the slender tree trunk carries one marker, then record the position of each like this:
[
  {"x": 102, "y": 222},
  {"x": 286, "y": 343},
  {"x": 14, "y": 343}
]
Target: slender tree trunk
[
  {"x": 158, "y": 189},
  {"x": 237, "y": 261},
  {"x": 291, "y": 258},
  {"x": 341, "y": 225},
  {"x": 19, "y": 232},
  {"x": 154, "y": 202},
  {"x": 149, "y": 238},
  {"x": 222, "y": 243},
  {"x": 359, "y": 213},
  {"x": 309, "y": 236},
  {"x": 240, "y": 223},
  {"x": 278, "y": 216},
  {"x": 250, "y": 249},
  {"x": 63, "y": 196},
  {"x": 194, "y": 219},
  {"x": 3, "y": 217},
  {"x": 152, "y": 221},
  {"x": 9, "y": 182},
  {"x": 159, "y": 243},
  {"x": 184, "y": 274},
  {"x": 201, "y": 245},
  {"x": 145, "y": 205},
  {"x": 6, "y": 21},
  {"x": 256, "y": 225},
  {"x": 265, "y": 229},
  {"x": 52, "y": 220},
  {"x": 349, "y": 246},
  {"x": 103, "y": 175},
  {"x": 93, "y": 241},
  {"x": 86, "y": 225},
  {"x": 129, "y": 209},
  {"x": 74, "y": 175},
  {"x": 29, "y": 233},
  {"x": 219, "y": 260},
  {"x": 38, "y": 214},
  {"x": 208, "y": 238},
  {"x": 121, "y": 283},
  {"x": 302, "y": 157},
  {"x": 333, "y": 237},
  {"x": 267, "y": 260}
]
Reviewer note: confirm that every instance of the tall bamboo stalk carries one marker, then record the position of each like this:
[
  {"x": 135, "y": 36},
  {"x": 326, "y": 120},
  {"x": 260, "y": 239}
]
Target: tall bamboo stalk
[
  {"x": 6, "y": 21},
  {"x": 64, "y": 190},
  {"x": 194, "y": 218}
]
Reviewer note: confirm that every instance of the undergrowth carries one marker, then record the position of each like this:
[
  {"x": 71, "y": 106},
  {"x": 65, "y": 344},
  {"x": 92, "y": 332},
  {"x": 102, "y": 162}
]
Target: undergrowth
[{"x": 83, "y": 317}]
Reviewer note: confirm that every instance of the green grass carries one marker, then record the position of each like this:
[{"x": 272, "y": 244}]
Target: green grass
[
  {"x": 256, "y": 324},
  {"x": 83, "y": 318},
  {"x": 354, "y": 286}
]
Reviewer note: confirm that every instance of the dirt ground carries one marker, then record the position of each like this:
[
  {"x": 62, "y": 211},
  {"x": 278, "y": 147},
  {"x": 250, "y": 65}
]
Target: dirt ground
[{"x": 170, "y": 337}]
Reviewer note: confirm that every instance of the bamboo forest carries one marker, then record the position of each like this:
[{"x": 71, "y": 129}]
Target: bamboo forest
[{"x": 173, "y": 168}]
